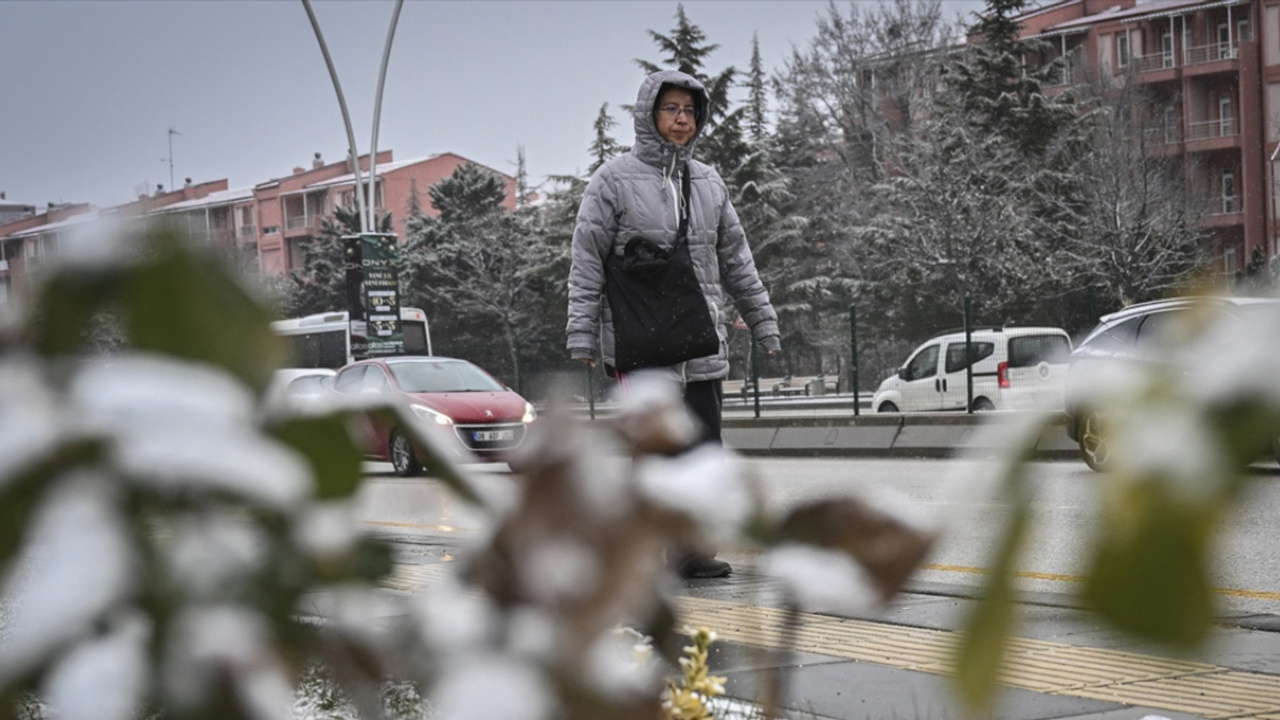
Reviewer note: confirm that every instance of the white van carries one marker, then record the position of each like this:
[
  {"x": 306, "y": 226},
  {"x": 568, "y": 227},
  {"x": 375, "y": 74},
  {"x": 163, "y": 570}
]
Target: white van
[{"x": 1013, "y": 368}]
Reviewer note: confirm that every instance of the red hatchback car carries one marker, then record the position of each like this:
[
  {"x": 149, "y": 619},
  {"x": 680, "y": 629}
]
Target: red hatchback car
[{"x": 487, "y": 418}]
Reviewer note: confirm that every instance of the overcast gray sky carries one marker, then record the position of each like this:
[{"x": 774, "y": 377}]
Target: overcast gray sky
[{"x": 89, "y": 90}]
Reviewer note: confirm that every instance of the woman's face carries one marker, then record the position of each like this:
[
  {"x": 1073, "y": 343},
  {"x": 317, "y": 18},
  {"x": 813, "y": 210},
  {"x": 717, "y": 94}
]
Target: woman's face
[{"x": 674, "y": 115}]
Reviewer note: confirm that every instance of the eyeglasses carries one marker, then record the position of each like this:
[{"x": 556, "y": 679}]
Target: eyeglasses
[{"x": 674, "y": 111}]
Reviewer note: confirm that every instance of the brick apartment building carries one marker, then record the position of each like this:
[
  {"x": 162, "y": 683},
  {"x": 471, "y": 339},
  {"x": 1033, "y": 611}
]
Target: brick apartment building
[
  {"x": 273, "y": 220},
  {"x": 1211, "y": 72}
]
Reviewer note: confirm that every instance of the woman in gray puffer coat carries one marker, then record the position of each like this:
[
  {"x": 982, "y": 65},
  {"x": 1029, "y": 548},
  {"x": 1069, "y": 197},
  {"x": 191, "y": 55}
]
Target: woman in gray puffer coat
[{"x": 638, "y": 194}]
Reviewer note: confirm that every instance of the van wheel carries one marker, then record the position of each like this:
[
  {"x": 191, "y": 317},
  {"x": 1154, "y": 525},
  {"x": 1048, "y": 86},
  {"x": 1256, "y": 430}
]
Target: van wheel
[
  {"x": 402, "y": 457},
  {"x": 1094, "y": 448},
  {"x": 983, "y": 405},
  {"x": 887, "y": 407}
]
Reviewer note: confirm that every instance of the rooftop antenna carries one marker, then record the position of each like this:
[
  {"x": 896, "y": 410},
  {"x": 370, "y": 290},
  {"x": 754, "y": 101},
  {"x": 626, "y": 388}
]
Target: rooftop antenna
[{"x": 169, "y": 159}]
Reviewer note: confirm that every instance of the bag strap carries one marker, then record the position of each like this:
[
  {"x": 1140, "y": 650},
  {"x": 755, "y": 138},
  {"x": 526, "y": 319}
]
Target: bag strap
[{"x": 682, "y": 234}]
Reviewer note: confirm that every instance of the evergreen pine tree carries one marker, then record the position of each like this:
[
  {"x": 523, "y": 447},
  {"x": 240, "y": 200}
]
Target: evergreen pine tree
[
  {"x": 757, "y": 96},
  {"x": 604, "y": 146},
  {"x": 997, "y": 89}
]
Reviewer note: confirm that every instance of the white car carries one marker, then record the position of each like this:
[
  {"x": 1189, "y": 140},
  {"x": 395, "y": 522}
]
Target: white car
[
  {"x": 293, "y": 389},
  {"x": 1013, "y": 368}
]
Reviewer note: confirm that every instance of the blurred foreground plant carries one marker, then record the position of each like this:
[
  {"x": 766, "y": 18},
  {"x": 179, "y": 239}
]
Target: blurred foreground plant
[
  {"x": 166, "y": 546},
  {"x": 1180, "y": 428}
]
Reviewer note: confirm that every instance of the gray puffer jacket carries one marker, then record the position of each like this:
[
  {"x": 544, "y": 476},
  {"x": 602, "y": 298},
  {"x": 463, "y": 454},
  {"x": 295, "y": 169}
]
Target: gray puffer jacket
[{"x": 639, "y": 194}]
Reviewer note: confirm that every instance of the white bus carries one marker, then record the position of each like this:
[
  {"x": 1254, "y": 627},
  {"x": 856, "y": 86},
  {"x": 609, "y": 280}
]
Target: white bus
[{"x": 324, "y": 340}]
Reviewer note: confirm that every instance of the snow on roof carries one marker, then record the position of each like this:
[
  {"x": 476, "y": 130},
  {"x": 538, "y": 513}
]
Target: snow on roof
[
  {"x": 350, "y": 178},
  {"x": 70, "y": 222},
  {"x": 213, "y": 199},
  {"x": 1154, "y": 8}
]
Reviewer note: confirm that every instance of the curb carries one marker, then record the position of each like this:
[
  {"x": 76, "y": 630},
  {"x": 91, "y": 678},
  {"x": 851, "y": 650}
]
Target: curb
[{"x": 916, "y": 435}]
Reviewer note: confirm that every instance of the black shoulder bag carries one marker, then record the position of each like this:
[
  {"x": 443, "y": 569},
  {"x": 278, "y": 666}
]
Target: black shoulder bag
[{"x": 660, "y": 317}]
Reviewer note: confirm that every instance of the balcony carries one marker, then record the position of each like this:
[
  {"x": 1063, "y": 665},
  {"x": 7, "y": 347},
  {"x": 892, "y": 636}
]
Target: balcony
[
  {"x": 1210, "y": 53},
  {"x": 247, "y": 231},
  {"x": 1212, "y": 129},
  {"x": 1151, "y": 63},
  {"x": 298, "y": 222}
]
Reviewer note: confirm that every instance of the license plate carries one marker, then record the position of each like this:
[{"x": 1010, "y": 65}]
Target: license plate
[{"x": 494, "y": 435}]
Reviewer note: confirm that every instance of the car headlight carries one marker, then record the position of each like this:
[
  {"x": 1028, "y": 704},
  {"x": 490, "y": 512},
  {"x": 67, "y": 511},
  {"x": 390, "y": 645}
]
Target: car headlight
[
  {"x": 426, "y": 413},
  {"x": 529, "y": 413}
]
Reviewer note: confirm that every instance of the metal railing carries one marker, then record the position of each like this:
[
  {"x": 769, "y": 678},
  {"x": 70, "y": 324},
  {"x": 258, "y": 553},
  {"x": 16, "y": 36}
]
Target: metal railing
[
  {"x": 1209, "y": 129},
  {"x": 1202, "y": 54},
  {"x": 1158, "y": 61},
  {"x": 833, "y": 393},
  {"x": 246, "y": 231},
  {"x": 299, "y": 221}
]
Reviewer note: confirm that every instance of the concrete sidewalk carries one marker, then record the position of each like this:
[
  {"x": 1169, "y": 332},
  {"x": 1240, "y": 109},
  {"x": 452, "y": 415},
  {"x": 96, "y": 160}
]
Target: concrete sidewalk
[{"x": 894, "y": 665}]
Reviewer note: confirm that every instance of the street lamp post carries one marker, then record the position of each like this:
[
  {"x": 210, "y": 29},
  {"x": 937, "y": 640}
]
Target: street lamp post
[{"x": 371, "y": 258}]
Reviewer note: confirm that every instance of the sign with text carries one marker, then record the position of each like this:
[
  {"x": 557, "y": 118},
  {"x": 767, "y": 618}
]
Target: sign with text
[{"x": 372, "y": 263}]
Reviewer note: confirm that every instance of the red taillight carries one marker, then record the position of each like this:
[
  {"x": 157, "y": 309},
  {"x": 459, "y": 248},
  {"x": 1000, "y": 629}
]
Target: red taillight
[{"x": 1002, "y": 375}]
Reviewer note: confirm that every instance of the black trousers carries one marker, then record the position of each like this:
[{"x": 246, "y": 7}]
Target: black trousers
[{"x": 703, "y": 399}]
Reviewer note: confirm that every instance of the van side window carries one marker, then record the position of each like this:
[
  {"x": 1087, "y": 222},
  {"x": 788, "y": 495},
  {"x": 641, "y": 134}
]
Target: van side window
[
  {"x": 923, "y": 365},
  {"x": 1032, "y": 350},
  {"x": 978, "y": 351}
]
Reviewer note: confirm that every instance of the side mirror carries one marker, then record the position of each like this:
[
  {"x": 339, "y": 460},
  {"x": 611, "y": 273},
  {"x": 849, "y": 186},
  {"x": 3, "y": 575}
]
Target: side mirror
[{"x": 902, "y": 372}]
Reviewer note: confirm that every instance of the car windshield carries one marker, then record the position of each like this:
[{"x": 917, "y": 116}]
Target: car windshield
[{"x": 441, "y": 377}]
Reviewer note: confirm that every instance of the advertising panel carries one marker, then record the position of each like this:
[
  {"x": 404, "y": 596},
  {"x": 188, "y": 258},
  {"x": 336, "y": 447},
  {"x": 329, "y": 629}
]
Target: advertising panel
[{"x": 373, "y": 294}]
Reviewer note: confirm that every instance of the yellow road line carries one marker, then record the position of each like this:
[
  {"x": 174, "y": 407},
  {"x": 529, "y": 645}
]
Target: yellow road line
[
  {"x": 413, "y": 526},
  {"x": 1059, "y": 577},
  {"x": 1047, "y": 667},
  {"x": 1118, "y": 676}
]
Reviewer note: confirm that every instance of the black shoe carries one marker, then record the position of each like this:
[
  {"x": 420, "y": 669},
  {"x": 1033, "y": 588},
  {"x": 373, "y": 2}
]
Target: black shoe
[{"x": 703, "y": 566}]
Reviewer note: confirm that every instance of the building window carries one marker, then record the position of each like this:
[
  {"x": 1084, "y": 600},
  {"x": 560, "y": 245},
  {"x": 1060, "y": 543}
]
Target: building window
[
  {"x": 298, "y": 253},
  {"x": 1230, "y": 203},
  {"x": 1229, "y": 263},
  {"x": 245, "y": 227},
  {"x": 1122, "y": 50},
  {"x": 1244, "y": 30},
  {"x": 1224, "y": 41},
  {"x": 1166, "y": 47},
  {"x": 271, "y": 230},
  {"x": 1271, "y": 34},
  {"x": 1224, "y": 115},
  {"x": 1273, "y": 112}
]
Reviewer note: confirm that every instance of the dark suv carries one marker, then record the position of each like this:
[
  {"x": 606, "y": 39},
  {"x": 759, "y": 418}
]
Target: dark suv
[{"x": 1152, "y": 333}]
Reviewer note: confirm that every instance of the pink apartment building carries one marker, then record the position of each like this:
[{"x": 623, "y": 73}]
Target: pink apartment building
[
  {"x": 286, "y": 212},
  {"x": 272, "y": 220},
  {"x": 1211, "y": 69}
]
